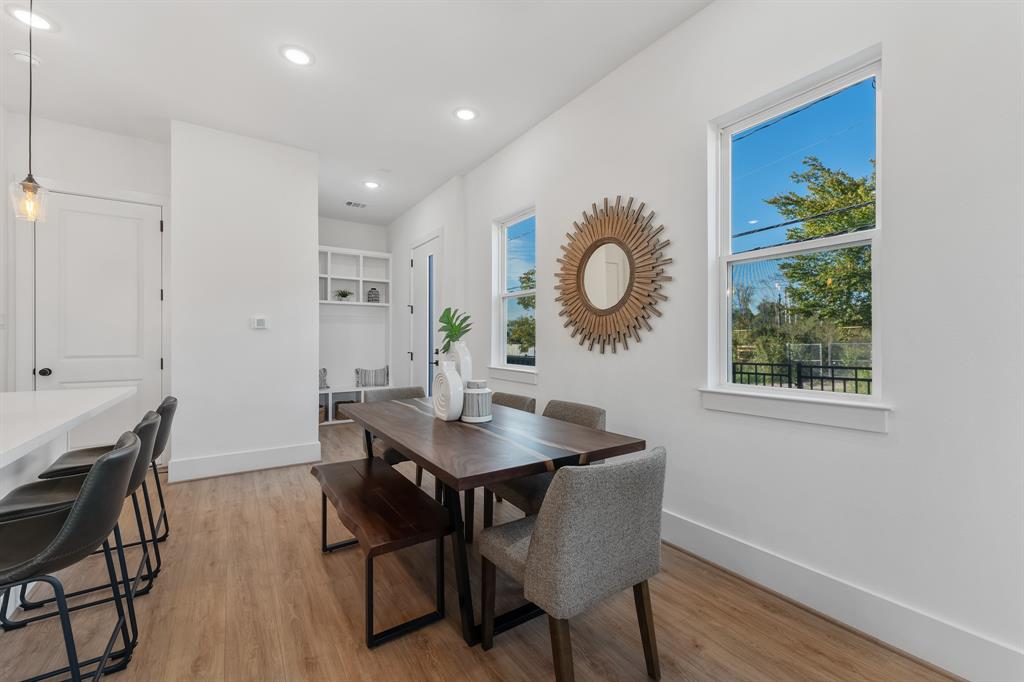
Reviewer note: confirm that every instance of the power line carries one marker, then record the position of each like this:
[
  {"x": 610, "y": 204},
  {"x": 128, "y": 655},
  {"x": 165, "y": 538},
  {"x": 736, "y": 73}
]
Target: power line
[{"x": 804, "y": 220}]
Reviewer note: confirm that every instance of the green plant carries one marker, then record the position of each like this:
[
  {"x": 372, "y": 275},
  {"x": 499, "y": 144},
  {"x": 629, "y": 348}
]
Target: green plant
[
  {"x": 454, "y": 326},
  {"x": 342, "y": 293}
]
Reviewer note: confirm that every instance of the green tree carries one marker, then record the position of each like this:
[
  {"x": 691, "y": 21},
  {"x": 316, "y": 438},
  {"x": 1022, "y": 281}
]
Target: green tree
[
  {"x": 834, "y": 286},
  {"x": 528, "y": 282},
  {"x": 522, "y": 331}
]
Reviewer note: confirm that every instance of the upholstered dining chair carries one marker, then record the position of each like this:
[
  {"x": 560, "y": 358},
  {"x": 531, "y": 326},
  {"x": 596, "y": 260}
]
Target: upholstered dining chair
[
  {"x": 598, "y": 532},
  {"x": 527, "y": 493},
  {"x": 515, "y": 401},
  {"x": 380, "y": 447}
]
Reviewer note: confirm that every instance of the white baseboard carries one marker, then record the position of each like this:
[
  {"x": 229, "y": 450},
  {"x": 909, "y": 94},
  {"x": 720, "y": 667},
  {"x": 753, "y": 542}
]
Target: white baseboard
[
  {"x": 948, "y": 646},
  {"x": 238, "y": 462}
]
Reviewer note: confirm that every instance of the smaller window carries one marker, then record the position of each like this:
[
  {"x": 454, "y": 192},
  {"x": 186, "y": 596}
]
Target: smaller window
[{"x": 517, "y": 293}]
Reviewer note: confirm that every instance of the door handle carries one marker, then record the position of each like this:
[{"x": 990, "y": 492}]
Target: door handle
[
  {"x": 45, "y": 372},
  {"x": 436, "y": 363}
]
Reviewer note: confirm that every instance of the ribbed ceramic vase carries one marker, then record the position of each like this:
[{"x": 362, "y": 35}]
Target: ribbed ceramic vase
[
  {"x": 459, "y": 354},
  {"x": 476, "y": 407},
  {"x": 448, "y": 393}
]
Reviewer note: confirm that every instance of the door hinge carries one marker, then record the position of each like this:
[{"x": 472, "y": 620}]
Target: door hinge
[
  {"x": 410, "y": 309},
  {"x": 410, "y": 356},
  {"x": 161, "y": 363},
  {"x": 161, "y": 294},
  {"x": 410, "y": 263},
  {"x": 161, "y": 225}
]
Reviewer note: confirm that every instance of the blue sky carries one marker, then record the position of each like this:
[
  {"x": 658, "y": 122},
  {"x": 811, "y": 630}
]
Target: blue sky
[
  {"x": 839, "y": 130},
  {"x": 521, "y": 250}
]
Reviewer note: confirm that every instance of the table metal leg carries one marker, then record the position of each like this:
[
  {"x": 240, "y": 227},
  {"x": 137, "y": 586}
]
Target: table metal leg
[
  {"x": 459, "y": 558},
  {"x": 368, "y": 443}
]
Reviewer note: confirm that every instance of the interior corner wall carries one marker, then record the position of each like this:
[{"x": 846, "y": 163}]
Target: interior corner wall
[
  {"x": 243, "y": 242},
  {"x": 347, "y": 234},
  {"x": 915, "y": 536}
]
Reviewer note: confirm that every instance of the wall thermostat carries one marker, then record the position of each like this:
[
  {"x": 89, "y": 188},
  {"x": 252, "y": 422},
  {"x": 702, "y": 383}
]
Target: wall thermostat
[{"x": 260, "y": 322}]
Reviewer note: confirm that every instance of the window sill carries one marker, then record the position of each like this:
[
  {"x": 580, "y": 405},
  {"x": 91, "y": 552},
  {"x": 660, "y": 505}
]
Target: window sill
[
  {"x": 846, "y": 413},
  {"x": 522, "y": 376}
]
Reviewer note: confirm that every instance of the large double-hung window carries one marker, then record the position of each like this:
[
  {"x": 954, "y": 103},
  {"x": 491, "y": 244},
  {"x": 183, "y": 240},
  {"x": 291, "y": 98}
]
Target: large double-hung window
[{"x": 797, "y": 231}]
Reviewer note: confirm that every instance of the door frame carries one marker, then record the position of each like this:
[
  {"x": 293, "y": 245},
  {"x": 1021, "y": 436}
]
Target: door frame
[
  {"x": 23, "y": 346},
  {"x": 437, "y": 234}
]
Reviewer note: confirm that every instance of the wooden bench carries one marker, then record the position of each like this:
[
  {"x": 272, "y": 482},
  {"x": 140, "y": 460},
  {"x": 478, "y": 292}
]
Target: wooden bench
[{"x": 385, "y": 511}]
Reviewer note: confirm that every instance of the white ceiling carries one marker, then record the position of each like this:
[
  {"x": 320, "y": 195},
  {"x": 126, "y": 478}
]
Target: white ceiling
[{"x": 376, "y": 104}]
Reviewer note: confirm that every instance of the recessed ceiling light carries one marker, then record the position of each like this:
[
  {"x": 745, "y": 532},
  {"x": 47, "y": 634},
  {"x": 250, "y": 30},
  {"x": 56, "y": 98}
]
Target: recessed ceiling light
[
  {"x": 22, "y": 56},
  {"x": 370, "y": 184},
  {"x": 30, "y": 18},
  {"x": 465, "y": 114},
  {"x": 296, "y": 55}
]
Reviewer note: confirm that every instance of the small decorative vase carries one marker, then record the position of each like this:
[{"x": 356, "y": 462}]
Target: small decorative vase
[
  {"x": 447, "y": 390},
  {"x": 373, "y": 296},
  {"x": 459, "y": 354},
  {"x": 323, "y": 379},
  {"x": 476, "y": 406}
]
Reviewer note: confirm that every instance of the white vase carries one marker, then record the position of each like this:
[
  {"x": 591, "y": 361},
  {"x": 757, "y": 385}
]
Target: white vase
[
  {"x": 459, "y": 354},
  {"x": 447, "y": 390}
]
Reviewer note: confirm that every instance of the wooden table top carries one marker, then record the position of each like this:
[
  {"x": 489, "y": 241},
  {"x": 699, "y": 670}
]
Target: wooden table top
[{"x": 466, "y": 456}]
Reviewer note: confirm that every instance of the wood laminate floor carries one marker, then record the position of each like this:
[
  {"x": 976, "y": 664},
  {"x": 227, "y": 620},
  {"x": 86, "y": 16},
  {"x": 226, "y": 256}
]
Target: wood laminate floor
[{"x": 245, "y": 594}]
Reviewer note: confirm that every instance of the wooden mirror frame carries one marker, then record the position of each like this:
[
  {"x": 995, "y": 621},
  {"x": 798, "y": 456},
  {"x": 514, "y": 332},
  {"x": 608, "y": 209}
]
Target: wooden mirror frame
[{"x": 629, "y": 229}]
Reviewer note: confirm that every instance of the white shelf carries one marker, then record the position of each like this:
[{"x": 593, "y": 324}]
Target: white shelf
[
  {"x": 350, "y": 338},
  {"x": 362, "y": 303}
]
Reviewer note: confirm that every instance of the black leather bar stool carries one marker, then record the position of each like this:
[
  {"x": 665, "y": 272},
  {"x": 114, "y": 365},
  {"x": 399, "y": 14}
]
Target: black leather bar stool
[
  {"x": 51, "y": 493},
  {"x": 78, "y": 462},
  {"x": 34, "y": 546}
]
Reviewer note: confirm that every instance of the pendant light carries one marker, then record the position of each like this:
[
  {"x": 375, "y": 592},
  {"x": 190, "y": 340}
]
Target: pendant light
[{"x": 27, "y": 196}]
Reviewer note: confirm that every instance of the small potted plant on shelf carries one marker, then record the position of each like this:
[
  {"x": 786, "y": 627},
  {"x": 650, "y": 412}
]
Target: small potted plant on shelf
[{"x": 342, "y": 294}]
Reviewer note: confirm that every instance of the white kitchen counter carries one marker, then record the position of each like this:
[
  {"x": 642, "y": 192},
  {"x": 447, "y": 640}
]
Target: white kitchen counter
[{"x": 30, "y": 420}]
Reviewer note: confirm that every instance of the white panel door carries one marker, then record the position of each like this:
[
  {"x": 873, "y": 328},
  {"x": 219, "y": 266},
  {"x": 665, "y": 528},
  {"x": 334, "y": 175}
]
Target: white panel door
[
  {"x": 426, "y": 261},
  {"x": 98, "y": 305}
]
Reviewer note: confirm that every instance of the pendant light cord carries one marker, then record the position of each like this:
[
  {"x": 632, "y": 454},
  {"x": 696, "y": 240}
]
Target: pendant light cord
[{"x": 32, "y": 17}]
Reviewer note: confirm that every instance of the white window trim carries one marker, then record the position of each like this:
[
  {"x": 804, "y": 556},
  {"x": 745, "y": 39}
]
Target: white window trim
[
  {"x": 500, "y": 369},
  {"x": 831, "y": 409}
]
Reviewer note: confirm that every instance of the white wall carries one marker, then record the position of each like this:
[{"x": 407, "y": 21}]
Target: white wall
[
  {"x": 915, "y": 536},
  {"x": 243, "y": 242},
  {"x": 351, "y": 235},
  {"x": 75, "y": 159}
]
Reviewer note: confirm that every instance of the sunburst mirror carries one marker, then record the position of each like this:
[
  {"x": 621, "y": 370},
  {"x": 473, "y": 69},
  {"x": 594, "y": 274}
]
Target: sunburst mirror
[{"x": 611, "y": 275}]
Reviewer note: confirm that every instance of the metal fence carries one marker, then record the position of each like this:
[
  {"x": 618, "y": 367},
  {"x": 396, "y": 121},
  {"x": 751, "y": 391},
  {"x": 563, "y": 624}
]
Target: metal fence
[{"x": 814, "y": 377}]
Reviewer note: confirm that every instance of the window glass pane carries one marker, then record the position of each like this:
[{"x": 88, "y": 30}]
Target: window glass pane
[
  {"x": 521, "y": 255},
  {"x": 807, "y": 173},
  {"x": 803, "y": 321},
  {"x": 520, "y": 331}
]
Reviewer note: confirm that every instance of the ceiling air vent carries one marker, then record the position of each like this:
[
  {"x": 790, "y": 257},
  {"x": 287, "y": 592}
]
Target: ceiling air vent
[{"x": 354, "y": 204}]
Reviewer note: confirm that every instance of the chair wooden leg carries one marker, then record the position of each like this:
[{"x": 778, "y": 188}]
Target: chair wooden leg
[
  {"x": 487, "y": 581},
  {"x": 488, "y": 508},
  {"x": 469, "y": 497},
  {"x": 438, "y": 490},
  {"x": 561, "y": 649},
  {"x": 419, "y": 476},
  {"x": 642, "y": 597}
]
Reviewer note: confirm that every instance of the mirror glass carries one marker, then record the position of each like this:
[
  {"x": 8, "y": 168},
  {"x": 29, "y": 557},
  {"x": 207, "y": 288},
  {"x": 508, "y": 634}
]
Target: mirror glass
[{"x": 606, "y": 276}]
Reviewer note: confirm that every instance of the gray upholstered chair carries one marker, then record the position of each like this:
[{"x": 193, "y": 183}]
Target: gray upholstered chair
[
  {"x": 597, "y": 533},
  {"x": 527, "y": 493},
  {"x": 380, "y": 447},
  {"x": 516, "y": 402}
]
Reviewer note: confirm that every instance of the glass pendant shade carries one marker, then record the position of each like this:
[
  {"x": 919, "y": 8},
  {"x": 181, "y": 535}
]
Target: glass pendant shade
[{"x": 29, "y": 200}]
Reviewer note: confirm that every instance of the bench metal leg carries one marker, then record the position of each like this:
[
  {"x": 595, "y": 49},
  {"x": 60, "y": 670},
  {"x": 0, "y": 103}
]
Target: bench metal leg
[
  {"x": 376, "y": 639},
  {"x": 324, "y": 547}
]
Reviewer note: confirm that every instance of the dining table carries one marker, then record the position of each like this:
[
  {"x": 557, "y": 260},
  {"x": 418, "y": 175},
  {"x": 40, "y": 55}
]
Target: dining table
[{"x": 464, "y": 456}]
